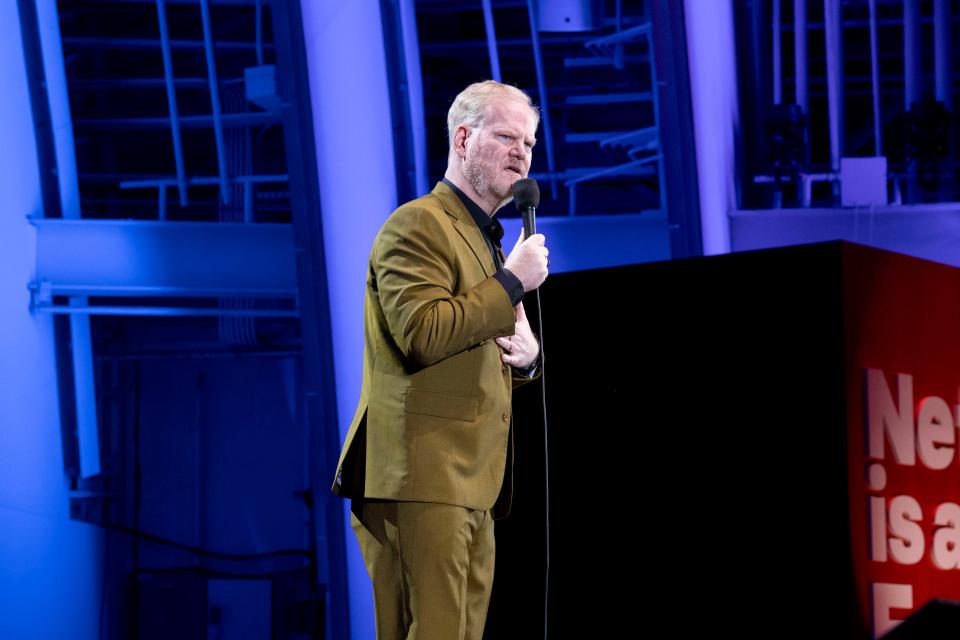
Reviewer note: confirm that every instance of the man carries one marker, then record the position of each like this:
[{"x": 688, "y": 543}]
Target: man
[{"x": 428, "y": 457}]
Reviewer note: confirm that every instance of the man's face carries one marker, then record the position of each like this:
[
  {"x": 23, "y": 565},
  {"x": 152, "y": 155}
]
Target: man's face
[{"x": 499, "y": 152}]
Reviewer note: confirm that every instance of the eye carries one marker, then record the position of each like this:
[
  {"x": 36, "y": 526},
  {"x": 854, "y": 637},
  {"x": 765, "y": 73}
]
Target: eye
[{"x": 504, "y": 137}]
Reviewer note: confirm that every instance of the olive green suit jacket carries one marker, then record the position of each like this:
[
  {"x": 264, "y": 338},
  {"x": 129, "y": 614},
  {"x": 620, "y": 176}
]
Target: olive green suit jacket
[{"x": 434, "y": 419}]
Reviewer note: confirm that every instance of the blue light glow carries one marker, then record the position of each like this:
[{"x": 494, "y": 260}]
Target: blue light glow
[
  {"x": 47, "y": 562},
  {"x": 711, "y": 50},
  {"x": 355, "y": 163}
]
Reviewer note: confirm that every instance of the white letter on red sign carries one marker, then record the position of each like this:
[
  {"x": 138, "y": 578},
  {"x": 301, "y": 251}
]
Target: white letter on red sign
[
  {"x": 884, "y": 418},
  {"x": 946, "y": 539},
  {"x": 906, "y": 544},
  {"x": 885, "y": 597},
  {"x": 935, "y": 428},
  {"x": 878, "y": 528}
]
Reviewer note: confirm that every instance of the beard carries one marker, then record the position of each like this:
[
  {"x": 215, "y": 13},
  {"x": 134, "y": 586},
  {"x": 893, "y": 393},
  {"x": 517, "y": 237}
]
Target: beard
[{"x": 481, "y": 177}]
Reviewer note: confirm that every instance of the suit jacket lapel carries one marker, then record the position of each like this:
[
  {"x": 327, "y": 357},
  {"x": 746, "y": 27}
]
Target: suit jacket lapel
[{"x": 466, "y": 227}]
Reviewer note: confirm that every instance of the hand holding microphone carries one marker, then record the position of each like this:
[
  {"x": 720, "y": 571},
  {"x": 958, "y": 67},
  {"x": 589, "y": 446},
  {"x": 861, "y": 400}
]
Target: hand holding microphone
[{"x": 528, "y": 259}]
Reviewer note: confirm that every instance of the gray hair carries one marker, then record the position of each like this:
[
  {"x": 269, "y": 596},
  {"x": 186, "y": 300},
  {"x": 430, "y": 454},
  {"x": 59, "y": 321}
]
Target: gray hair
[{"x": 470, "y": 106}]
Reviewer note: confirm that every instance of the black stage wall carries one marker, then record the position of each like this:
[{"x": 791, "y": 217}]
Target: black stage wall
[{"x": 698, "y": 464}]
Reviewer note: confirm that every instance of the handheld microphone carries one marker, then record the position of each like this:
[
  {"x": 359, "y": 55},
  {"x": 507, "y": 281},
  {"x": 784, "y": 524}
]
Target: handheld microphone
[{"x": 526, "y": 195}]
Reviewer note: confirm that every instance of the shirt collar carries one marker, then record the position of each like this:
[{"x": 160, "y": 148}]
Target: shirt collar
[{"x": 488, "y": 224}]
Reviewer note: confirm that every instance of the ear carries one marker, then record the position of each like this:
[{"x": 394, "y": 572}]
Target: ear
[{"x": 460, "y": 140}]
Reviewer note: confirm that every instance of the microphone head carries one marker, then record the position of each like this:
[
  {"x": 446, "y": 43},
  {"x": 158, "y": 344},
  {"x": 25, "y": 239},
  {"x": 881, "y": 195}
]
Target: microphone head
[{"x": 526, "y": 193}]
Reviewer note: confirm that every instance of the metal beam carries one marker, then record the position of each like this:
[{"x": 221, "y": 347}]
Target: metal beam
[
  {"x": 777, "y": 29},
  {"x": 414, "y": 77},
  {"x": 491, "y": 40},
  {"x": 912, "y": 79},
  {"x": 801, "y": 81},
  {"x": 875, "y": 80},
  {"x": 833, "y": 17},
  {"x": 542, "y": 91},
  {"x": 154, "y": 311},
  {"x": 941, "y": 48},
  {"x": 82, "y": 42},
  {"x": 250, "y": 119},
  {"x": 172, "y": 102},
  {"x": 215, "y": 108},
  {"x": 124, "y": 258}
]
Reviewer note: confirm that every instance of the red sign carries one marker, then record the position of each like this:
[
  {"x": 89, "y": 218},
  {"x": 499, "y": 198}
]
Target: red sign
[{"x": 902, "y": 322}]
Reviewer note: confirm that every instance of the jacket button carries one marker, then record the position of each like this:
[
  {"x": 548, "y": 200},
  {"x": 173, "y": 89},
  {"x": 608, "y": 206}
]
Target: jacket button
[{"x": 506, "y": 417}]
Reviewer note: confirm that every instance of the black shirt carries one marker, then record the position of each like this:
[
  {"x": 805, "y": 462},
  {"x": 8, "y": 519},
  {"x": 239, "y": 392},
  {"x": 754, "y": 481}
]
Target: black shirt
[{"x": 492, "y": 232}]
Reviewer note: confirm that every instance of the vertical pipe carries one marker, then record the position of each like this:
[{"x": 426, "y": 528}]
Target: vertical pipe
[
  {"x": 259, "y": 19},
  {"x": 833, "y": 23},
  {"x": 411, "y": 53},
  {"x": 215, "y": 101},
  {"x": 542, "y": 90},
  {"x": 172, "y": 101},
  {"x": 777, "y": 54},
  {"x": 911, "y": 85},
  {"x": 618, "y": 54},
  {"x": 911, "y": 52},
  {"x": 491, "y": 40},
  {"x": 942, "y": 47},
  {"x": 46, "y": 556},
  {"x": 199, "y": 451},
  {"x": 248, "y": 201},
  {"x": 800, "y": 79},
  {"x": 655, "y": 91},
  {"x": 943, "y": 72},
  {"x": 875, "y": 81},
  {"x": 352, "y": 127},
  {"x": 162, "y": 202},
  {"x": 711, "y": 55},
  {"x": 84, "y": 378}
]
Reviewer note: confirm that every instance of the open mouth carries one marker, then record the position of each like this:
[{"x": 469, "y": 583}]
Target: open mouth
[{"x": 516, "y": 170}]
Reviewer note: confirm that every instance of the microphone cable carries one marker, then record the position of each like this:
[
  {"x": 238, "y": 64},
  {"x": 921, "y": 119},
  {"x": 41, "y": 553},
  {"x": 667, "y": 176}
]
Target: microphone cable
[
  {"x": 526, "y": 196},
  {"x": 546, "y": 465}
]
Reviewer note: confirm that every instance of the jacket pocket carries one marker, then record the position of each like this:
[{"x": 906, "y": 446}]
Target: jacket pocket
[{"x": 441, "y": 405}]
